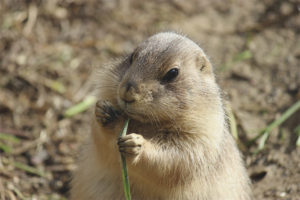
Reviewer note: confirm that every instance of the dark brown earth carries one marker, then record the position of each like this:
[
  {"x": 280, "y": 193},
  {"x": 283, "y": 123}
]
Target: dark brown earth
[{"x": 49, "y": 48}]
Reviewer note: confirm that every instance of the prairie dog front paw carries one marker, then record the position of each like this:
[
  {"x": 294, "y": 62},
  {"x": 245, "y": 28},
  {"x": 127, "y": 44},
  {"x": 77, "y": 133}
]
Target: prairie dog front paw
[
  {"x": 131, "y": 144},
  {"x": 105, "y": 112}
]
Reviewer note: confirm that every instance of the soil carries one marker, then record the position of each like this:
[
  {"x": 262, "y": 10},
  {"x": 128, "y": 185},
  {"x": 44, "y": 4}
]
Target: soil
[{"x": 49, "y": 48}]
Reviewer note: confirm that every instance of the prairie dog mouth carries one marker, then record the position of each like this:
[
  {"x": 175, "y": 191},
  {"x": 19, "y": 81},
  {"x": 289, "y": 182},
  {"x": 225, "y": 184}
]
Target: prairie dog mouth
[
  {"x": 129, "y": 110},
  {"x": 137, "y": 116}
]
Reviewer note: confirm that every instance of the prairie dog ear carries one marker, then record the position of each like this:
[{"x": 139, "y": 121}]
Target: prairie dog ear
[{"x": 203, "y": 64}]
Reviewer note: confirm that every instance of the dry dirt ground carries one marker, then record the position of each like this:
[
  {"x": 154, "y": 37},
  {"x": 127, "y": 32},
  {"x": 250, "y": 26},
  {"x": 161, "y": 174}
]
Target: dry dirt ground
[{"x": 49, "y": 48}]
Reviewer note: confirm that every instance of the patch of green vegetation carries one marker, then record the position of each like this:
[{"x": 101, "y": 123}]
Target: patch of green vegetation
[
  {"x": 5, "y": 148},
  {"x": 242, "y": 56},
  {"x": 29, "y": 169},
  {"x": 9, "y": 137},
  {"x": 7, "y": 140},
  {"x": 264, "y": 134},
  {"x": 80, "y": 107}
]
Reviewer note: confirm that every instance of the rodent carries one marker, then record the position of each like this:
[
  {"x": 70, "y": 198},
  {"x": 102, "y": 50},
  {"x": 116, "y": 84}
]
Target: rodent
[{"x": 178, "y": 146}]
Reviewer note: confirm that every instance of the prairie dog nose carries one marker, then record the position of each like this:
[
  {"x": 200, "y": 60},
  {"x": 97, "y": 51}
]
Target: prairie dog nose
[{"x": 128, "y": 92}]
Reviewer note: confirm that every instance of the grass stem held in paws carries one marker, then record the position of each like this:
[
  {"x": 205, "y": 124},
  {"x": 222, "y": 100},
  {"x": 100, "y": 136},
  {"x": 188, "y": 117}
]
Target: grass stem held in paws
[{"x": 124, "y": 167}]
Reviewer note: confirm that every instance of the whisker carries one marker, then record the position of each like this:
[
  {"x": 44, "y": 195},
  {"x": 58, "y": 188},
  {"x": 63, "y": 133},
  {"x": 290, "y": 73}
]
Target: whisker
[{"x": 154, "y": 118}]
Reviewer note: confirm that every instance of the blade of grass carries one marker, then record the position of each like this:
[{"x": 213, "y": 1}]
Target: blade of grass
[
  {"x": 289, "y": 112},
  {"x": 5, "y": 148},
  {"x": 15, "y": 190},
  {"x": 80, "y": 107},
  {"x": 262, "y": 142},
  {"x": 9, "y": 137},
  {"x": 28, "y": 169},
  {"x": 298, "y": 133},
  {"x": 124, "y": 167},
  {"x": 55, "y": 85},
  {"x": 244, "y": 55}
]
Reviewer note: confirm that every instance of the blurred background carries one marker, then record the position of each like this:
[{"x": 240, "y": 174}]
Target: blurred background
[{"x": 49, "y": 48}]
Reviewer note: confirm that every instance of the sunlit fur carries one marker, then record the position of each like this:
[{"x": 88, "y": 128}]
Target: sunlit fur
[{"x": 188, "y": 154}]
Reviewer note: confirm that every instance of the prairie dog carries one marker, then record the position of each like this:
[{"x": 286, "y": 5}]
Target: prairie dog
[{"x": 178, "y": 146}]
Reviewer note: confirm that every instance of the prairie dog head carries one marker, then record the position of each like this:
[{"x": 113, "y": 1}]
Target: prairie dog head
[{"x": 165, "y": 76}]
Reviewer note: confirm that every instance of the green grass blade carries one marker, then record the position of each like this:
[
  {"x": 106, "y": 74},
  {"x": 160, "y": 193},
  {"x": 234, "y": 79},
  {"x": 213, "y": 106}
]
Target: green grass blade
[
  {"x": 17, "y": 191},
  {"x": 289, "y": 112},
  {"x": 28, "y": 169},
  {"x": 5, "y": 148},
  {"x": 245, "y": 55},
  {"x": 262, "y": 142},
  {"x": 298, "y": 133},
  {"x": 124, "y": 167},
  {"x": 124, "y": 131},
  {"x": 284, "y": 116},
  {"x": 55, "y": 85},
  {"x": 80, "y": 107},
  {"x": 9, "y": 137}
]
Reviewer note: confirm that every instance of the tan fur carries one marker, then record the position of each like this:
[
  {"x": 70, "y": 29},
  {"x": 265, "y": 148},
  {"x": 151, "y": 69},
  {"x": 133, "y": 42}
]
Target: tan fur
[{"x": 185, "y": 151}]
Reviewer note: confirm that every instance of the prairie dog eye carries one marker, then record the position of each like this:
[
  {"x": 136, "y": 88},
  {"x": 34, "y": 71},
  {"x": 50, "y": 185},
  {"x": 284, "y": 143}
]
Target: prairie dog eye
[{"x": 170, "y": 75}]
